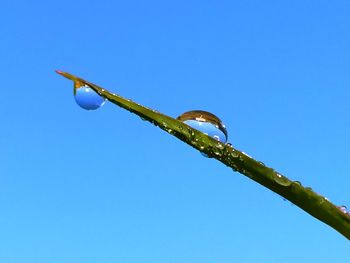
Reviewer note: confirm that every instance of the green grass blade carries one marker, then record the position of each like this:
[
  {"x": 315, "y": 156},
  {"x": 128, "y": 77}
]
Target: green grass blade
[{"x": 308, "y": 200}]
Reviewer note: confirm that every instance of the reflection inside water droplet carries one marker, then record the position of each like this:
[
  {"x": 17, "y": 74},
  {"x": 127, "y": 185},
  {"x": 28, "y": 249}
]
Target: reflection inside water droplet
[
  {"x": 206, "y": 123},
  {"x": 87, "y": 98}
]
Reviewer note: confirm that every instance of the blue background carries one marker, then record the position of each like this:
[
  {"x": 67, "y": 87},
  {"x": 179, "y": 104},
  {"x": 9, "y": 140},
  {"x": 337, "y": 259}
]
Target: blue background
[{"x": 103, "y": 186}]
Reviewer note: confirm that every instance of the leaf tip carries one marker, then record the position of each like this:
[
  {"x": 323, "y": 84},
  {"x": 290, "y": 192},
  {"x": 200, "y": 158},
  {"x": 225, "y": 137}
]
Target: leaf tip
[
  {"x": 66, "y": 75},
  {"x": 59, "y": 72}
]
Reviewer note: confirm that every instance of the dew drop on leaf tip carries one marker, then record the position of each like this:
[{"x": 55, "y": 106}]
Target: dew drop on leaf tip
[{"x": 87, "y": 98}]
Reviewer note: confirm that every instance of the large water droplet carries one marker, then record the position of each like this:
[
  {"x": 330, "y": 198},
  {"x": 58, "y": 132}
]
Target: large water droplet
[
  {"x": 206, "y": 123},
  {"x": 87, "y": 98}
]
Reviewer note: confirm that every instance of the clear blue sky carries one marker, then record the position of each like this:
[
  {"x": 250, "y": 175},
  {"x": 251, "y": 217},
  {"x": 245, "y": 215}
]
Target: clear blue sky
[{"x": 104, "y": 186}]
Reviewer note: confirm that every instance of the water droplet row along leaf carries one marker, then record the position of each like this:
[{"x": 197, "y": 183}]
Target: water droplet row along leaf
[{"x": 308, "y": 200}]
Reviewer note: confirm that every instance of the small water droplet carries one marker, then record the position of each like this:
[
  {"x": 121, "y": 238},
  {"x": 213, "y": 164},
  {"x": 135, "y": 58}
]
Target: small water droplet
[
  {"x": 281, "y": 180},
  {"x": 87, "y": 98},
  {"x": 220, "y": 146},
  {"x": 297, "y": 182},
  {"x": 343, "y": 208},
  {"x": 234, "y": 154}
]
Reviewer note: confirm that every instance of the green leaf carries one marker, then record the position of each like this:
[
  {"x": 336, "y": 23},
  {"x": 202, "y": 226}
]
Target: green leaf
[{"x": 308, "y": 200}]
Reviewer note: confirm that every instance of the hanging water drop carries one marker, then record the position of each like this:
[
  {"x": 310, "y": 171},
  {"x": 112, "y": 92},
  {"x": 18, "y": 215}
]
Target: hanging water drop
[
  {"x": 87, "y": 98},
  {"x": 206, "y": 123}
]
